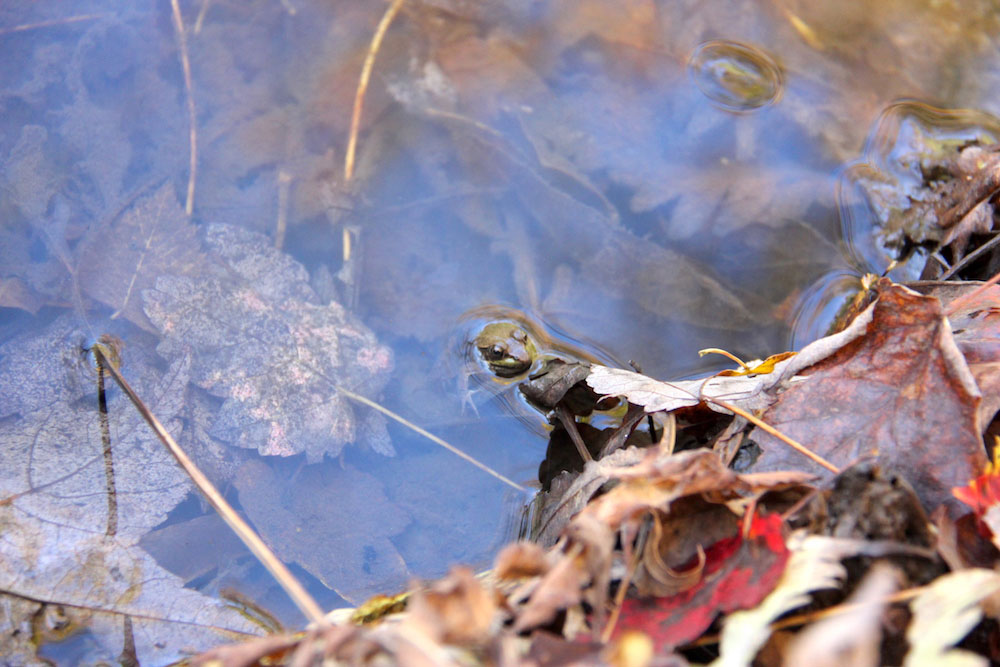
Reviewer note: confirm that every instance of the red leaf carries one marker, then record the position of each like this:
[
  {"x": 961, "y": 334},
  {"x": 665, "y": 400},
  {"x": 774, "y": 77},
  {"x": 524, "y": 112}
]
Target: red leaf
[{"x": 738, "y": 574}]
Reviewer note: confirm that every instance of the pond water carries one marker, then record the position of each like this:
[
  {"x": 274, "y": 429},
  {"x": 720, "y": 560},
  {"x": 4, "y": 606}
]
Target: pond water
[{"x": 638, "y": 180}]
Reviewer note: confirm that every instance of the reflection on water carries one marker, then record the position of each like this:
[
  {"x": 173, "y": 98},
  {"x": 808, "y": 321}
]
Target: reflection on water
[
  {"x": 821, "y": 305},
  {"x": 735, "y": 76},
  {"x": 557, "y": 158}
]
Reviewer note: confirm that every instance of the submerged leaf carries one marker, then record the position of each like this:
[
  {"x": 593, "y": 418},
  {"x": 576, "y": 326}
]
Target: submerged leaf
[
  {"x": 275, "y": 356},
  {"x": 117, "y": 261},
  {"x": 57, "y": 544},
  {"x": 333, "y": 521}
]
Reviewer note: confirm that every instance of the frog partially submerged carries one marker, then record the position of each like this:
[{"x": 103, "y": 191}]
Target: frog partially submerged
[{"x": 507, "y": 349}]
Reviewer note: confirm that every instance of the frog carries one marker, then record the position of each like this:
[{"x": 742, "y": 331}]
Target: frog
[{"x": 508, "y": 350}]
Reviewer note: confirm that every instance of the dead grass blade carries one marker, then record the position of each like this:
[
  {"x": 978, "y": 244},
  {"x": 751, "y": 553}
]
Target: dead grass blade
[
  {"x": 189, "y": 94},
  {"x": 306, "y": 604},
  {"x": 430, "y": 436},
  {"x": 359, "y": 95},
  {"x": 46, "y": 24}
]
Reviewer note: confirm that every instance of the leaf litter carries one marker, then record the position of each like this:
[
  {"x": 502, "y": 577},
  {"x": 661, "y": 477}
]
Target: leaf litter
[{"x": 891, "y": 399}]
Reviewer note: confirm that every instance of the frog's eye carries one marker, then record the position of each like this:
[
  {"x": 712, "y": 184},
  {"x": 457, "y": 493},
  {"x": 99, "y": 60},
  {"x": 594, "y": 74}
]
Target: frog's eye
[{"x": 498, "y": 351}]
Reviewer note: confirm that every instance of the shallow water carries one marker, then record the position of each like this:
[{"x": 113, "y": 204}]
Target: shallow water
[{"x": 641, "y": 180}]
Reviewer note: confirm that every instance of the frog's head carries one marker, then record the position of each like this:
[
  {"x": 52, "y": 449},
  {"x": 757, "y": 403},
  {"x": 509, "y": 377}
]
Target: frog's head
[{"x": 506, "y": 348}]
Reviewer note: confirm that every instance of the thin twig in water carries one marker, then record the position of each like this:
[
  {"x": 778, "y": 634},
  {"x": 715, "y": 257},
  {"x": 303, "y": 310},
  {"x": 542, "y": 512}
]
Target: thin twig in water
[
  {"x": 359, "y": 95},
  {"x": 46, "y": 24},
  {"x": 284, "y": 185},
  {"x": 192, "y": 120},
  {"x": 306, "y": 604},
  {"x": 109, "y": 468},
  {"x": 430, "y": 436}
]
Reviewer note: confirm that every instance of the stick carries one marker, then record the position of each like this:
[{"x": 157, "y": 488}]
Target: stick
[{"x": 306, "y": 604}]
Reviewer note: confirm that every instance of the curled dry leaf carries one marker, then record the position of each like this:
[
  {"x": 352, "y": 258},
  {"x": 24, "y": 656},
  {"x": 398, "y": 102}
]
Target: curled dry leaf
[
  {"x": 737, "y": 573},
  {"x": 658, "y": 480},
  {"x": 519, "y": 560},
  {"x": 457, "y": 609}
]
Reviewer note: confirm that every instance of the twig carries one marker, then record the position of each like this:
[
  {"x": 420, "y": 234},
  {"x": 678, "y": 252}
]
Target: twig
[
  {"x": 201, "y": 16},
  {"x": 801, "y": 449},
  {"x": 359, "y": 95},
  {"x": 306, "y": 604},
  {"x": 960, "y": 302},
  {"x": 430, "y": 436},
  {"x": 971, "y": 257},
  {"x": 818, "y": 615},
  {"x": 284, "y": 185},
  {"x": 109, "y": 468},
  {"x": 626, "y": 581},
  {"x": 53, "y": 22},
  {"x": 569, "y": 423},
  {"x": 192, "y": 120}
]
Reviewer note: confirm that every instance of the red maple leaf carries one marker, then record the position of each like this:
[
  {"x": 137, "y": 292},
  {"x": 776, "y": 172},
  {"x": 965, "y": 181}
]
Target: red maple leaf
[
  {"x": 739, "y": 572},
  {"x": 983, "y": 492}
]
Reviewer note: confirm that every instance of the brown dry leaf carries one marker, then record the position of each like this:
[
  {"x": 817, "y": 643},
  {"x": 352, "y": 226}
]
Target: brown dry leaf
[
  {"x": 902, "y": 392},
  {"x": 519, "y": 560},
  {"x": 658, "y": 480},
  {"x": 976, "y": 328},
  {"x": 457, "y": 609},
  {"x": 582, "y": 572},
  {"x": 333, "y": 521},
  {"x": 569, "y": 493},
  {"x": 117, "y": 260}
]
